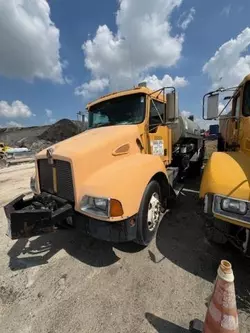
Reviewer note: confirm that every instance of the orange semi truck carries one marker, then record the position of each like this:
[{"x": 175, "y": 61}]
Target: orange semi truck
[{"x": 115, "y": 180}]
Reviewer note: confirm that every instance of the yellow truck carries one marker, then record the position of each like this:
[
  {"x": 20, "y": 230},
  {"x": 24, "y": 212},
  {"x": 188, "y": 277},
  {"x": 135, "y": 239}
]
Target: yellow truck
[
  {"x": 225, "y": 182},
  {"x": 116, "y": 179}
]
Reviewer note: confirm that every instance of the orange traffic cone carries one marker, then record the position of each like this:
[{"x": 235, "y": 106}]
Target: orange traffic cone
[{"x": 222, "y": 316}]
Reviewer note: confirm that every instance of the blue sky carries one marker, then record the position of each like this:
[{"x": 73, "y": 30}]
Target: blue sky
[{"x": 44, "y": 67}]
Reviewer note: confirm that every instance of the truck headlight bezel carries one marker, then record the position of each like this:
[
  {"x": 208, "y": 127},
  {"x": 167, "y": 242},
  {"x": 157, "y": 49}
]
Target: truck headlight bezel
[
  {"x": 101, "y": 206},
  {"x": 236, "y": 209},
  {"x": 95, "y": 205}
]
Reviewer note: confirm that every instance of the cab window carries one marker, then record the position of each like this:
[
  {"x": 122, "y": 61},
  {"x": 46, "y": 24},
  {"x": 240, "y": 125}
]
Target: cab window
[
  {"x": 156, "y": 116},
  {"x": 237, "y": 107}
]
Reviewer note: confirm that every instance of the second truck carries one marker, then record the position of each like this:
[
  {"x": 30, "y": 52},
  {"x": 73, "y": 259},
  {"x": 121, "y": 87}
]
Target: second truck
[
  {"x": 225, "y": 185},
  {"x": 115, "y": 180}
]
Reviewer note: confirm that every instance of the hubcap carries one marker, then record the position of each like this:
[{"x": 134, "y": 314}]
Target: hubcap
[{"x": 154, "y": 211}]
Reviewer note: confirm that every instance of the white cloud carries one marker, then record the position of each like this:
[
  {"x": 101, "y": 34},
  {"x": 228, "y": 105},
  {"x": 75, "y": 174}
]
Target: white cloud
[
  {"x": 48, "y": 113},
  {"x": 226, "y": 10},
  {"x": 186, "y": 18},
  {"x": 91, "y": 88},
  {"x": 15, "y": 110},
  {"x": 29, "y": 41},
  {"x": 69, "y": 80},
  {"x": 229, "y": 65},
  {"x": 186, "y": 113},
  {"x": 167, "y": 81},
  {"x": 13, "y": 124},
  {"x": 144, "y": 41}
]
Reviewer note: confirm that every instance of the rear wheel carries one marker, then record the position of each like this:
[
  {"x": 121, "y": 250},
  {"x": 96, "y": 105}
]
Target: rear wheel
[
  {"x": 149, "y": 214},
  {"x": 216, "y": 230}
]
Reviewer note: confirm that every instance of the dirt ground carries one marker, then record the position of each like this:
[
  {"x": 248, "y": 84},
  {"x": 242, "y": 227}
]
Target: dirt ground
[{"x": 67, "y": 282}]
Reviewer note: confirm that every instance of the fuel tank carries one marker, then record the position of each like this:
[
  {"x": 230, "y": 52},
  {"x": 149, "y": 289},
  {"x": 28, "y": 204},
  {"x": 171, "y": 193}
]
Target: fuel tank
[{"x": 184, "y": 128}]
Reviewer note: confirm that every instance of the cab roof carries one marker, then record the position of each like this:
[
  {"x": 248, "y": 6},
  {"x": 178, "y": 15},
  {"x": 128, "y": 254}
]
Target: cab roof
[{"x": 137, "y": 90}]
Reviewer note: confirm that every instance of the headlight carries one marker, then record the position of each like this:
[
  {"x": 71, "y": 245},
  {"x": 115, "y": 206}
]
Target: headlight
[
  {"x": 234, "y": 206},
  {"x": 102, "y": 207}
]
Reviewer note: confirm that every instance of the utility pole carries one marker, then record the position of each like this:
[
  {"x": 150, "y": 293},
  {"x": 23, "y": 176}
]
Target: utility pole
[{"x": 80, "y": 116}]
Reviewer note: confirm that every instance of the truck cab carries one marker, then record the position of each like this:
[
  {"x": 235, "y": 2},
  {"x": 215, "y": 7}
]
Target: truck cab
[
  {"x": 114, "y": 180},
  {"x": 226, "y": 178}
]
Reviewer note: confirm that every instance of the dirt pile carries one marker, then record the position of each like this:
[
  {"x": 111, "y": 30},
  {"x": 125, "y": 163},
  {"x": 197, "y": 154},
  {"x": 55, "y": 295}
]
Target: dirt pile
[
  {"x": 18, "y": 137},
  {"x": 62, "y": 130},
  {"x": 40, "y": 137}
]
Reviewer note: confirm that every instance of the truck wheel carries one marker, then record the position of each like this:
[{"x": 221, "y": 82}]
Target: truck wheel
[
  {"x": 215, "y": 230},
  {"x": 149, "y": 214},
  {"x": 196, "y": 168}
]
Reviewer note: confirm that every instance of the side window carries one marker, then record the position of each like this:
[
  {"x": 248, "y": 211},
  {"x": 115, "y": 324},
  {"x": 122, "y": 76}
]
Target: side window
[
  {"x": 246, "y": 100},
  {"x": 156, "y": 116},
  {"x": 237, "y": 107}
]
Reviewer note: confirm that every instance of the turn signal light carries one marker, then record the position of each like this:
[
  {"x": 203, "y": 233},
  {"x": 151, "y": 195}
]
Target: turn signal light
[{"x": 115, "y": 208}]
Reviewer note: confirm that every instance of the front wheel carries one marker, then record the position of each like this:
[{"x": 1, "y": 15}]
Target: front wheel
[{"x": 149, "y": 214}]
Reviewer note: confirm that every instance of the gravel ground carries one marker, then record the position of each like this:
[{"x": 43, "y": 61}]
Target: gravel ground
[{"x": 67, "y": 282}]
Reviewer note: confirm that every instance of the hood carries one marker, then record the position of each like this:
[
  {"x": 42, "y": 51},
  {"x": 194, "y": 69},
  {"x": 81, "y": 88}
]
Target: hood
[
  {"x": 227, "y": 174},
  {"x": 94, "y": 149},
  {"x": 93, "y": 140}
]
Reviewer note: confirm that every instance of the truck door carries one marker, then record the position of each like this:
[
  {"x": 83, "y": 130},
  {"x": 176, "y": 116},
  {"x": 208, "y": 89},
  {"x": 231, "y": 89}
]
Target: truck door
[{"x": 160, "y": 140}]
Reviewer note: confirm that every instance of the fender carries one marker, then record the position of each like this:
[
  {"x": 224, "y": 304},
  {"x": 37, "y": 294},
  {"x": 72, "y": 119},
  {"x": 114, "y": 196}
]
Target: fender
[
  {"x": 227, "y": 174},
  {"x": 124, "y": 180}
]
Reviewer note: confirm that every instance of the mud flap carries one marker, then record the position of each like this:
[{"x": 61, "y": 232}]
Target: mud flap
[{"x": 24, "y": 222}]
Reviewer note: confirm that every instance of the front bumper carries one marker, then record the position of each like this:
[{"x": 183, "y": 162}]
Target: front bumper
[
  {"x": 116, "y": 232},
  {"x": 43, "y": 213}
]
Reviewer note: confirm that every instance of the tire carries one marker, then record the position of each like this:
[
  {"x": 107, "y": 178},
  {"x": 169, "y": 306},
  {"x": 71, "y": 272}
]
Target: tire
[
  {"x": 149, "y": 214},
  {"x": 220, "y": 143},
  {"x": 195, "y": 168},
  {"x": 215, "y": 230}
]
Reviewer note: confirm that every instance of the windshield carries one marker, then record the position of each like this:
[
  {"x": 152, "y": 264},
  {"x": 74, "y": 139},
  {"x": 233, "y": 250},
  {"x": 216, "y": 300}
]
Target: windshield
[{"x": 125, "y": 110}]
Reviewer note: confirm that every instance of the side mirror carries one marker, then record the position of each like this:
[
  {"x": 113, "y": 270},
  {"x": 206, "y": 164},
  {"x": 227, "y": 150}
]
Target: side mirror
[
  {"x": 212, "y": 106},
  {"x": 172, "y": 106}
]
